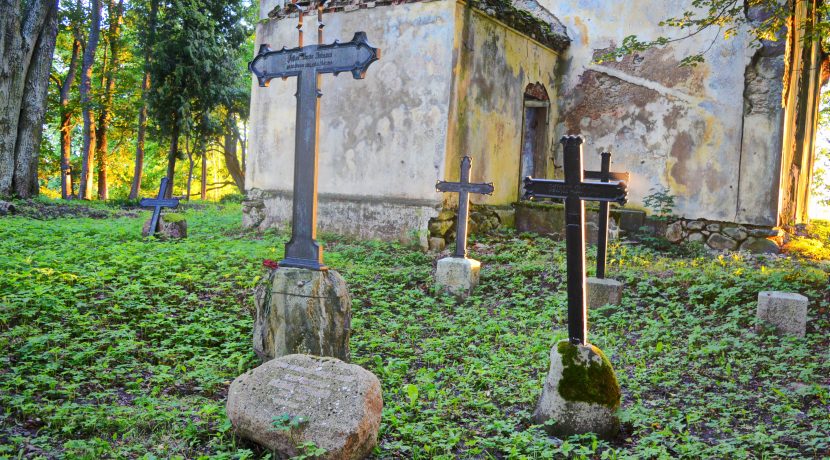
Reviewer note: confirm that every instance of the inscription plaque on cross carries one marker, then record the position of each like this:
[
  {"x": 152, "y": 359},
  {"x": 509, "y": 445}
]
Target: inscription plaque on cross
[
  {"x": 158, "y": 203},
  {"x": 464, "y": 187},
  {"x": 308, "y": 64},
  {"x": 604, "y": 175},
  {"x": 575, "y": 191}
]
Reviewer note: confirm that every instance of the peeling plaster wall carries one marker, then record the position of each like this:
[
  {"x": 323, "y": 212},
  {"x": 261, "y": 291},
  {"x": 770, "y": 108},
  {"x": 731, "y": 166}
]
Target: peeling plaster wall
[
  {"x": 681, "y": 128},
  {"x": 493, "y": 66},
  {"x": 384, "y": 136}
]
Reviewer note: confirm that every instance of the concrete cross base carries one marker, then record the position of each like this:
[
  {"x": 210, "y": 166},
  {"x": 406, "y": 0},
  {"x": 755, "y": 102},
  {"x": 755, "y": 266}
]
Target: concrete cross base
[
  {"x": 603, "y": 291},
  {"x": 581, "y": 393},
  {"x": 301, "y": 311},
  {"x": 784, "y": 311},
  {"x": 457, "y": 275}
]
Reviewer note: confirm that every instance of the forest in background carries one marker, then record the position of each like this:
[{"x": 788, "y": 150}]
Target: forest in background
[{"x": 141, "y": 89}]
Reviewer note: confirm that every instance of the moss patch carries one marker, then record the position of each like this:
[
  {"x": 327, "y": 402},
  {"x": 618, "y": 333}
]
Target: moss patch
[
  {"x": 591, "y": 381},
  {"x": 173, "y": 217}
]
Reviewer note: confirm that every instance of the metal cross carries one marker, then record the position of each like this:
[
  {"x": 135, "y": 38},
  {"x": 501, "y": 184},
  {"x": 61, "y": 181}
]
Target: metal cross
[
  {"x": 158, "y": 203},
  {"x": 574, "y": 190},
  {"x": 308, "y": 63},
  {"x": 604, "y": 175},
  {"x": 464, "y": 187}
]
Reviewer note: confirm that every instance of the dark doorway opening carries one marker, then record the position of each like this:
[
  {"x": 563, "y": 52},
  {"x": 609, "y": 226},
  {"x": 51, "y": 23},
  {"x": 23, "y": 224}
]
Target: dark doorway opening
[{"x": 533, "y": 159}]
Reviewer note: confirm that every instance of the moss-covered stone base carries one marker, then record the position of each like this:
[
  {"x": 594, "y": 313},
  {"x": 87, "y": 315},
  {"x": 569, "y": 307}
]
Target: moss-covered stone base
[
  {"x": 172, "y": 226},
  {"x": 581, "y": 393}
]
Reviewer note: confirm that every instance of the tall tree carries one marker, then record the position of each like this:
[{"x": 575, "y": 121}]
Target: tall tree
[
  {"x": 88, "y": 152},
  {"x": 197, "y": 42},
  {"x": 28, "y": 30},
  {"x": 114, "y": 14},
  {"x": 147, "y": 39},
  {"x": 66, "y": 121}
]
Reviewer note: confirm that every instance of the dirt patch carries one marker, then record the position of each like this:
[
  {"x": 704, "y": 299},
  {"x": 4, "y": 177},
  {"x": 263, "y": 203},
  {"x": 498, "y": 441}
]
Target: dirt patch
[{"x": 44, "y": 210}]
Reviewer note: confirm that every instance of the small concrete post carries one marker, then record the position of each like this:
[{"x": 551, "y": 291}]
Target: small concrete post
[
  {"x": 603, "y": 291},
  {"x": 785, "y": 311}
]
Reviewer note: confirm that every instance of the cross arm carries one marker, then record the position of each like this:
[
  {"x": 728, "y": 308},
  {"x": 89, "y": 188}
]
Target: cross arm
[
  {"x": 163, "y": 202},
  {"x": 614, "y": 176},
  {"x": 588, "y": 191},
  {"x": 481, "y": 189},
  {"x": 354, "y": 56}
]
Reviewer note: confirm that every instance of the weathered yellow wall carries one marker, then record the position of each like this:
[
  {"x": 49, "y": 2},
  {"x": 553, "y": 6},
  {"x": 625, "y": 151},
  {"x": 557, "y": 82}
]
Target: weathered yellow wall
[{"x": 492, "y": 67}]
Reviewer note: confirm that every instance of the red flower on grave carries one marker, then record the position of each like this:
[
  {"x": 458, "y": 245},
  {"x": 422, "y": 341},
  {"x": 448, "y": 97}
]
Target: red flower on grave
[{"x": 268, "y": 263}]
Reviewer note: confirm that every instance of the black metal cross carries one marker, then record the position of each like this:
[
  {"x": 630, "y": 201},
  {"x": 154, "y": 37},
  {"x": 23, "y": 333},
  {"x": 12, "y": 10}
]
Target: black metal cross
[
  {"x": 574, "y": 190},
  {"x": 307, "y": 63},
  {"x": 604, "y": 175},
  {"x": 158, "y": 203},
  {"x": 464, "y": 187}
]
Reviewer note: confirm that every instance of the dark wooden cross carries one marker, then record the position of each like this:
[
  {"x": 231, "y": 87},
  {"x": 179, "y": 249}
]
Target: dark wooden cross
[
  {"x": 307, "y": 63},
  {"x": 575, "y": 190},
  {"x": 604, "y": 175},
  {"x": 158, "y": 203},
  {"x": 464, "y": 187}
]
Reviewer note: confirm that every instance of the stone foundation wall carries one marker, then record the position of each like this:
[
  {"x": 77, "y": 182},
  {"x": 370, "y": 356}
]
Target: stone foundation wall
[
  {"x": 724, "y": 236},
  {"x": 361, "y": 217}
]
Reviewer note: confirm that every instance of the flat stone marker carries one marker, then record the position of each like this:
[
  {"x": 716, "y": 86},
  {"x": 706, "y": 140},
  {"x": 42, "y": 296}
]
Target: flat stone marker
[
  {"x": 603, "y": 291},
  {"x": 302, "y": 311},
  {"x": 785, "y": 311},
  {"x": 457, "y": 276},
  {"x": 338, "y": 405}
]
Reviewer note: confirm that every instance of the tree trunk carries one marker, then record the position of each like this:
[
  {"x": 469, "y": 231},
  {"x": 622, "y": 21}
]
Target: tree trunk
[
  {"x": 231, "y": 137},
  {"x": 27, "y": 43},
  {"x": 190, "y": 167},
  {"x": 101, "y": 148},
  {"x": 88, "y": 153},
  {"x": 171, "y": 155},
  {"x": 142, "y": 114},
  {"x": 204, "y": 175},
  {"x": 66, "y": 124}
]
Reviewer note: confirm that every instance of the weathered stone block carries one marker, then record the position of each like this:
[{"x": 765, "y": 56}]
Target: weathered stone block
[
  {"x": 457, "y": 275},
  {"x": 581, "y": 393},
  {"x": 736, "y": 233},
  {"x": 437, "y": 244},
  {"x": 785, "y": 311},
  {"x": 545, "y": 219},
  {"x": 337, "y": 406},
  {"x": 695, "y": 225},
  {"x": 302, "y": 311},
  {"x": 603, "y": 291},
  {"x": 171, "y": 226},
  {"x": 760, "y": 246},
  {"x": 630, "y": 220},
  {"x": 674, "y": 232},
  {"x": 713, "y": 227},
  {"x": 721, "y": 242},
  {"x": 696, "y": 238},
  {"x": 507, "y": 217}
]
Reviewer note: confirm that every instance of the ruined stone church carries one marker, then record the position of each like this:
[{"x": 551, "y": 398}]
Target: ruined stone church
[{"x": 732, "y": 139}]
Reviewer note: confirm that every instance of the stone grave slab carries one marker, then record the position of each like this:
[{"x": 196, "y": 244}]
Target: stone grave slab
[{"x": 336, "y": 405}]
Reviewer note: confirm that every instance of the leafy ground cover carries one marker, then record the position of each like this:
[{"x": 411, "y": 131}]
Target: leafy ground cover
[{"x": 115, "y": 347}]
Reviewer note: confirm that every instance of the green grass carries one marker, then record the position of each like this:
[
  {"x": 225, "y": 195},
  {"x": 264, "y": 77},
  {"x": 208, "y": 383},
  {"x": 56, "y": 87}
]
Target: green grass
[{"x": 112, "y": 346}]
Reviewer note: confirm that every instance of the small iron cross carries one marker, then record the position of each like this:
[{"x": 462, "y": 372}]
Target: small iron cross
[
  {"x": 604, "y": 175},
  {"x": 158, "y": 203},
  {"x": 574, "y": 190},
  {"x": 308, "y": 63},
  {"x": 463, "y": 188}
]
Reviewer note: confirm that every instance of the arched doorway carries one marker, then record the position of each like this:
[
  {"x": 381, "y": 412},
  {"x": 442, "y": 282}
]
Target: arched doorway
[{"x": 534, "y": 146}]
